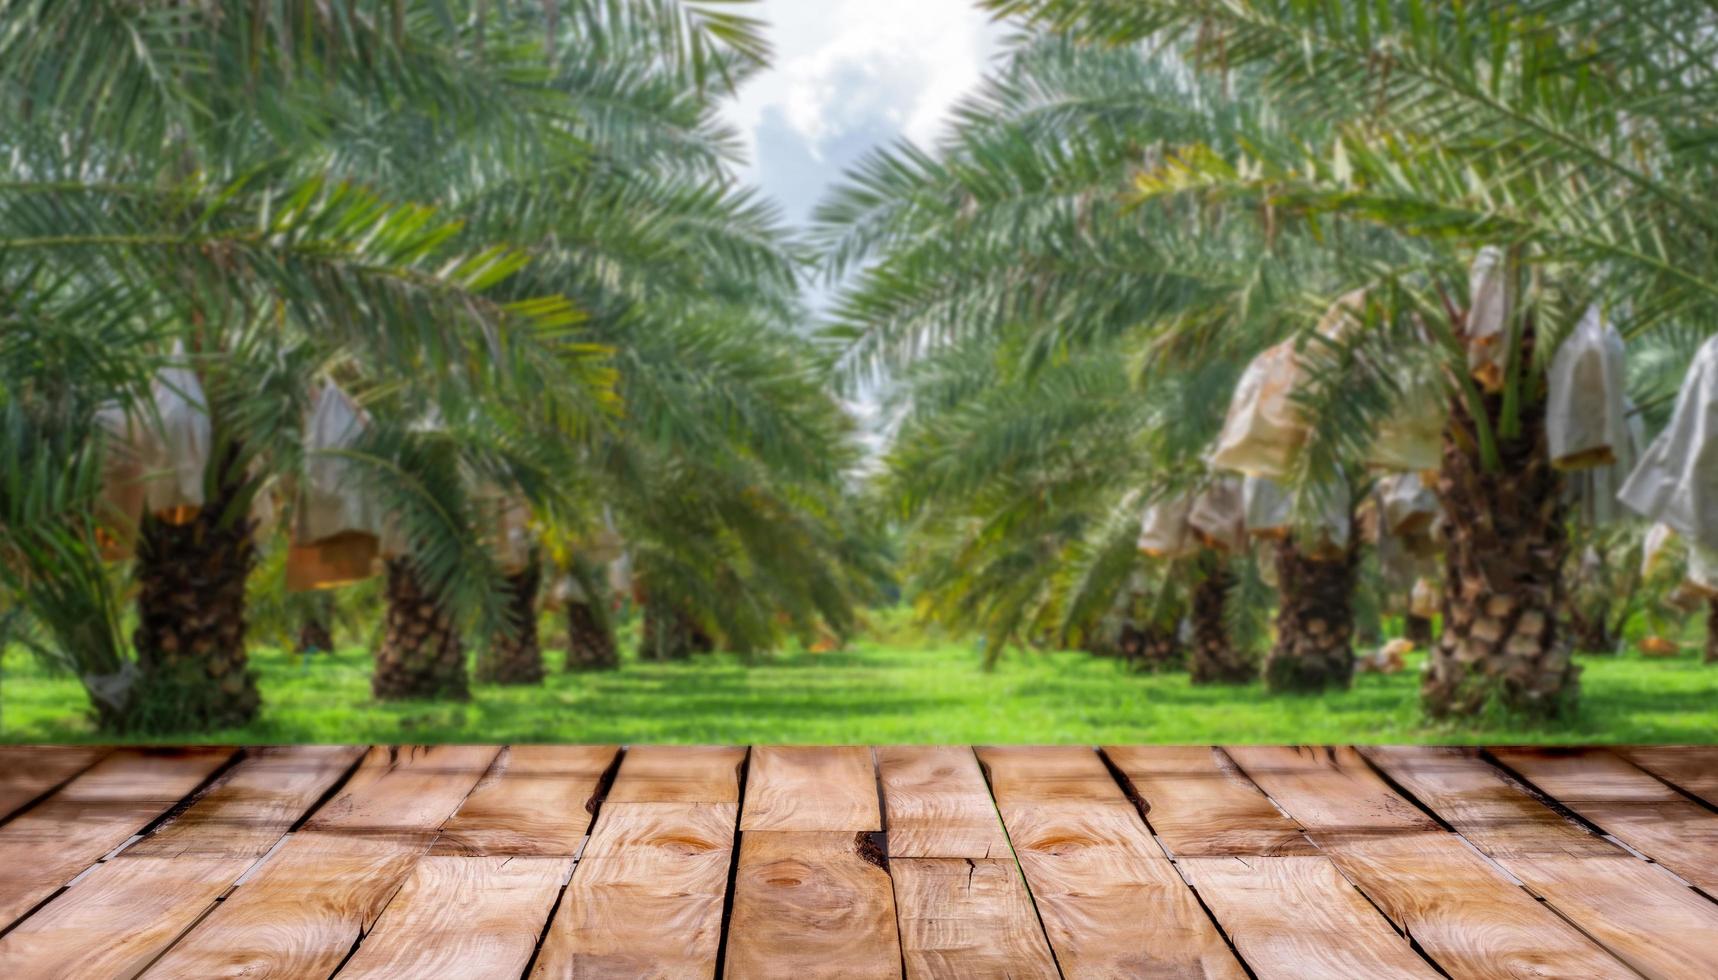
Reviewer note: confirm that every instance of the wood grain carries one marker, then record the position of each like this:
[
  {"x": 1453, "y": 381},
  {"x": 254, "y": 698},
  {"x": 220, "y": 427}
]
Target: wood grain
[
  {"x": 679, "y": 774},
  {"x": 964, "y": 917},
  {"x": 1627, "y": 803},
  {"x": 54, "y": 841},
  {"x": 29, "y": 771},
  {"x": 1692, "y": 768},
  {"x": 646, "y": 899},
  {"x": 1198, "y": 805},
  {"x": 301, "y": 912},
  {"x": 534, "y": 802},
  {"x": 810, "y": 905},
  {"x": 811, "y": 787},
  {"x": 1469, "y": 918},
  {"x": 1093, "y": 867},
  {"x": 937, "y": 803},
  {"x": 1634, "y": 909},
  {"x": 142, "y": 900},
  {"x": 1297, "y": 917},
  {"x": 462, "y": 916}
]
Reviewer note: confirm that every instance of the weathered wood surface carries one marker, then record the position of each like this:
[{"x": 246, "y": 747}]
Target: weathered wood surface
[
  {"x": 646, "y": 899},
  {"x": 157, "y": 888},
  {"x": 30, "y": 771},
  {"x": 1093, "y": 867},
  {"x": 811, "y": 787},
  {"x": 1278, "y": 899},
  {"x": 1465, "y": 914},
  {"x": 937, "y": 804},
  {"x": 1691, "y": 768},
  {"x": 1634, "y": 909},
  {"x": 899, "y": 861}
]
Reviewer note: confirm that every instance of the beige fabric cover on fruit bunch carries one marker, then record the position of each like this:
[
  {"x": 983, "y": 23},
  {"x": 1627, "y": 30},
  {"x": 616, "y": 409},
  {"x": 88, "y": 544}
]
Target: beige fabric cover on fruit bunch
[
  {"x": 1269, "y": 513},
  {"x": 1218, "y": 517},
  {"x": 155, "y": 459},
  {"x": 1676, "y": 482},
  {"x": 336, "y": 527},
  {"x": 1490, "y": 303},
  {"x": 1586, "y": 416},
  {"x": 511, "y": 544},
  {"x": 1163, "y": 528}
]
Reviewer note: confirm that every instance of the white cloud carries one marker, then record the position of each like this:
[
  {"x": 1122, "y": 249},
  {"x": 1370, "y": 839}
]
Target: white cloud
[{"x": 841, "y": 64}]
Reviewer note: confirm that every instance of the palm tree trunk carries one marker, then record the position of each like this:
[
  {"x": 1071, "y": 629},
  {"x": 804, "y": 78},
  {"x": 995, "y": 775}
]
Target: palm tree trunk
[
  {"x": 314, "y": 636},
  {"x": 190, "y": 638},
  {"x": 1503, "y": 561},
  {"x": 1215, "y": 659},
  {"x": 1315, "y": 621},
  {"x": 422, "y": 655},
  {"x": 665, "y": 634},
  {"x": 515, "y": 657},
  {"x": 1592, "y": 627},
  {"x": 1418, "y": 631},
  {"x": 1712, "y": 629},
  {"x": 590, "y": 642},
  {"x": 1153, "y": 648}
]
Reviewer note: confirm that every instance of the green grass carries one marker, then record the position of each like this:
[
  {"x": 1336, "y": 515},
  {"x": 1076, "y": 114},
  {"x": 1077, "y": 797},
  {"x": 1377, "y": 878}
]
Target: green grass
[{"x": 890, "y": 690}]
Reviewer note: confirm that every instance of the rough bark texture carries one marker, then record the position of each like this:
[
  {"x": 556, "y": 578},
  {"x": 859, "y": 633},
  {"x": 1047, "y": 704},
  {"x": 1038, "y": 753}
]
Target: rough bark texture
[
  {"x": 1418, "y": 631},
  {"x": 422, "y": 655},
  {"x": 314, "y": 636},
  {"x": 190, "y": 638},
  {"x": 1152, "y": 648},
  {"x": 1503, "y": 561},
  {"x": 1712, "y": 630},
  {"x": 515, "y": 656},
  {"x": 1215, "y": 659},
  {"x": 1314, "y": 650},
  {"x": 590, "y": 644}
]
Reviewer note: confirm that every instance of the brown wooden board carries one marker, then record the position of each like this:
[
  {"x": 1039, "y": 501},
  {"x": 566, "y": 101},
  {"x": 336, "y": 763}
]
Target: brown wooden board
[
  {"x": 679, "y": 774},
  {"x": 1297, "y": 917},
  {"x": 462, "y": 916},
  {"x": 646, "y": 899},
  {"x": 1634, "y": 909},
  {"x": 1279, "y": 900},
  {"x": 534, "y": 802},
  {"x": 1199, "y": 806},
  {"x": 1111, "y": 902},
  {"x": 1471, "y": 920},
  {"x": 54, "y": 841},
  {"x": 1627, "y": 803},
  {"x": 966, "y": 917},
  {"x": 142, "y": 900},
  {"x": 812, "y": 904},
  {"x": 811, "y": 787},
  {"x": 1692, "y": 768},
  {"x": 29, "y": 771},
  {"x": 302, "y": 910},
  {"x": 937, "y": 803}
]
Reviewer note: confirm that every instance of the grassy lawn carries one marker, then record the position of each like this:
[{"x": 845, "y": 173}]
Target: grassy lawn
[{"x": 892, "y": 689}]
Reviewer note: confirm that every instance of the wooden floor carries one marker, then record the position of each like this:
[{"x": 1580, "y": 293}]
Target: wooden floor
[{"x": 805, "y": 862}]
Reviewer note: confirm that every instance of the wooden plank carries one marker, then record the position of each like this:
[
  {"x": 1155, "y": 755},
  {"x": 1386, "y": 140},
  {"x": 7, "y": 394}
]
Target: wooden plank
[
  {"x": 1297, "y": 917},
  {"x": 679, "y": 774},
  {"x": 1094, "y": 869},
  {"x": 967, "y": 918},
  {"x": 29, "y": 771},
  {"x": 51, "y": 843},
  {"x": 1283, "y": 905},
  {"x": 1198, "y": 805},
  {"x": 1469, "y": 918},
  {"x": 303, "y": 909},
  {"x": 1634, "y": 909},
  {"x": 646, "y": 899},
  {"x": 937, "y": 803},
  {"x": 142, "y": 900},
  {"x": 1628, "y": 804},
  {"x": 535, "y": 801},
  {"x": 1692, "y": 768},
  {"x": 463, "y": 916},
  {"x": 810, "y": 904},
  {"x": 811, "y": 787}
]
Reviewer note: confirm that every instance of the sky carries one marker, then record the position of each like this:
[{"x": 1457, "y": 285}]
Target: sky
[{"x": 849, "y": 76}]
